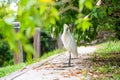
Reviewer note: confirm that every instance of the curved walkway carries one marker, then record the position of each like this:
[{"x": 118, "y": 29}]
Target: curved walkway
[{"x": 55, "y": 68}]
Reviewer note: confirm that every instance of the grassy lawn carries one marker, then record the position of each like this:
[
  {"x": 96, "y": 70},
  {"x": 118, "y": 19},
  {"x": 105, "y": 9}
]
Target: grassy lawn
[
  {"x": 108, "y": 49},
  {"x": 9, "y": 69},
  {"x": 106, "y": 61},
  {"x": 6, "y": 70}
]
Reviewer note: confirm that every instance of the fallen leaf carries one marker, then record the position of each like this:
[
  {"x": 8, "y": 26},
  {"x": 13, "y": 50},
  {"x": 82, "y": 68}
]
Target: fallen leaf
[
  {"x": 56, "y": 79},
  {"x": 65, "y": 74},
  {"x": 50, "y": 66}
]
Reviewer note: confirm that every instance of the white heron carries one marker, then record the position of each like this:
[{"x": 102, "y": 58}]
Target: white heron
[{"x": 69, "y": 43}]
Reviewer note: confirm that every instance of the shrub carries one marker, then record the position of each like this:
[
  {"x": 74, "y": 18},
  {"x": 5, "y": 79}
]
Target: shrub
[{"x": 6, "y": 55}]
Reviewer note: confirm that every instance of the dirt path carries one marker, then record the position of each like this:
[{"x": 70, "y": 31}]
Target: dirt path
[{"x": 56, "y": 68}]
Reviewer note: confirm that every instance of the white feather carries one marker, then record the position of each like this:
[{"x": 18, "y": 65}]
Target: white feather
[{"x": 68, "y": 41}]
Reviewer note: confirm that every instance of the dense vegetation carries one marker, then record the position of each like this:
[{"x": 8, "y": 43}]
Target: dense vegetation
[{"x": 6, "y": 56}]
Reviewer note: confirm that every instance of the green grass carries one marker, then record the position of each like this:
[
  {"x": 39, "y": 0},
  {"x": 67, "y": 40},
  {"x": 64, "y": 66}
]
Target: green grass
[
  {"x": 6, "y": 70},
  {"x": 108, "y": 49},
  {"x": 106, "y": 60},
  {"x": 9, "y": 69}
]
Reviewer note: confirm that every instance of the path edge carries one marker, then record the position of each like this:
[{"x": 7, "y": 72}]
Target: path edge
[{"x": 23, "y": 70}]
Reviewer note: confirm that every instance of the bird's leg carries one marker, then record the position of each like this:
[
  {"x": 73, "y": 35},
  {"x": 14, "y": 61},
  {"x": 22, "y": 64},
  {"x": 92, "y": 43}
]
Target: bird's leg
[{"x": 69, "y": 63}]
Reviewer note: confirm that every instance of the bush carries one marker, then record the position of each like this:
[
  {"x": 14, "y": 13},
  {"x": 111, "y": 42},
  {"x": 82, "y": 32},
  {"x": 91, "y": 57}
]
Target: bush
[
  {"x": 6, "y": 55},
  {"x": 47, "y": 42}
]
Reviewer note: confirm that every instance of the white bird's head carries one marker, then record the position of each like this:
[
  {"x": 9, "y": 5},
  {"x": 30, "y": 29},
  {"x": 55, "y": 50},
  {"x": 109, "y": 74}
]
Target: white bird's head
[{"x": 66, "y": 27}]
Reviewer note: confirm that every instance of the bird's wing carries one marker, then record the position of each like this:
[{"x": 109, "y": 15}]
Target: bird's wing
[
  {"x": 69, "y": 43},
  {"x": 72, "y": 45}
]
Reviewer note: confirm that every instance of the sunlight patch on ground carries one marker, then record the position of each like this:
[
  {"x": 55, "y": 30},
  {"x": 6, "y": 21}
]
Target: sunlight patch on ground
[{"x": 86, "y": 50}]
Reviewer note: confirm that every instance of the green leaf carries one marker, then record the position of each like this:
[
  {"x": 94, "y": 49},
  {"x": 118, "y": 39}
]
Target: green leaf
[
  {"x": 81, "y": 1},
  {"x": 95, "y": 15},
  {"x": 86, "y": 24},
  {"x": 81, "y": 4},
  {"x": 88, "y": 4}
]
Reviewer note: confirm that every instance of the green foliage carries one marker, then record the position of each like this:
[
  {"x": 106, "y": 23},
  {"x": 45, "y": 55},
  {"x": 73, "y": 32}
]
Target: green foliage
[
  {"x": 106, "y": 71},
  {"x": 74, "y": 12},
  {"x": 30, "y": 14},
  {"x": 6, "y": 55},
  {"x": 104, "y": 17},
  {"x": 84, "y": 22},
  {"x": 87, "y": 3},
  {"x": 107, "y": 16},
  {"x": 35, "y": 13},
  {"x": 47, "y": 42},
  {"x": 9, "y": 69},
  {"x": 116, "y": 76},
  {"x": 109, "y": 49}
]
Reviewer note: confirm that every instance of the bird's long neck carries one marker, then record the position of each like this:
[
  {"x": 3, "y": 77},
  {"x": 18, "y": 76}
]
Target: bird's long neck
[{"x": 65, "y": 31}]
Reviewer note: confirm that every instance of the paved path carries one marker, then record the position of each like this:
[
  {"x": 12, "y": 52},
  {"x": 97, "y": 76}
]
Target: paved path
[{"x": 55, "y": 68}]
